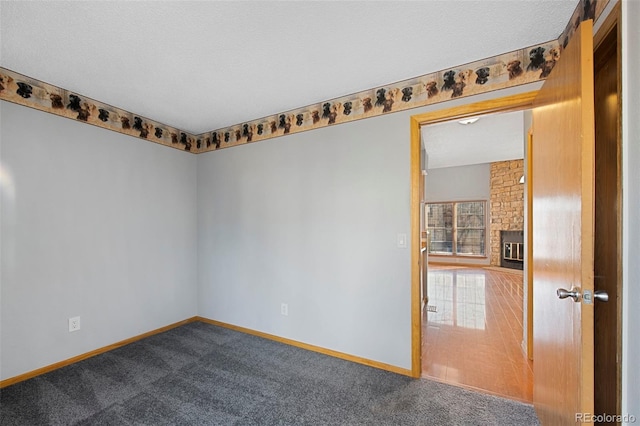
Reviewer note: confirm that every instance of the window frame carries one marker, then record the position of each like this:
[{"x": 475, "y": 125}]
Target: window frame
[{"x": 454, "y": 229}]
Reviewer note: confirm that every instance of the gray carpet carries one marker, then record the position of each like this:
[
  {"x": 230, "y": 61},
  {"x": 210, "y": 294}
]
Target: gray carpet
[{"x": 200, "y": 374}]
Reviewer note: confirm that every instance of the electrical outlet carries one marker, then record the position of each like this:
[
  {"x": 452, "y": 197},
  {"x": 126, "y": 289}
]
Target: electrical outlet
[
  {"x": 284, "y": 309},
  {"x": 74, "y": 324}
]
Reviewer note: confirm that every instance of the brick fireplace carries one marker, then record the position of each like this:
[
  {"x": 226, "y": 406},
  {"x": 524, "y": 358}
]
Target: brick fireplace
[
  {"x": 512, "y": 249},
  {"x": 506, "y": 204}
]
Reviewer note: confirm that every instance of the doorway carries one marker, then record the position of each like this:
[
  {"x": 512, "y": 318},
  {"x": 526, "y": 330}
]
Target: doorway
[
  {"x": 611, "y": 211},
  {"x": 473, "y": 328},
  {"x": 511, "y": 103}
]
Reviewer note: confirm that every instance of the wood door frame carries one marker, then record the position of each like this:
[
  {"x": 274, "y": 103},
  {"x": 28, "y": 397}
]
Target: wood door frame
[
  {"x": 516, "y": 102},
  {"x": 611, "y": 24},
  {"x": 529, "y": 249}
]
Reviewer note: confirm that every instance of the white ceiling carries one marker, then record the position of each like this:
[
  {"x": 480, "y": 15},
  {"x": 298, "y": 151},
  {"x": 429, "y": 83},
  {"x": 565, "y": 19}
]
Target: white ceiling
[
  {"x": 203, "y": 65},
  {"x": 494, "y": 137}
]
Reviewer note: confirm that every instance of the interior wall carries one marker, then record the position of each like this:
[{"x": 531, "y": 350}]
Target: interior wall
[
  {"x": 463, "y": 183},
  {"x": 94, "y": 224},
  {"x": 631, "y": 207},
  {"x": 312, "y": 220},
  {"x": 98, "y": 225}
]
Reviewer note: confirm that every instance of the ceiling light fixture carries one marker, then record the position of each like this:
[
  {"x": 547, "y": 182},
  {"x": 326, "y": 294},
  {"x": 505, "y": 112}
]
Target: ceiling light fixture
[{"x": 469, "y": 120}]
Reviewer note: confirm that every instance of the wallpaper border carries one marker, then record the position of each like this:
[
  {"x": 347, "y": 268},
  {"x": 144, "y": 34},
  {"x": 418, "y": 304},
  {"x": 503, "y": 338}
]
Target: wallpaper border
[
  {"x": 27, "y": 91},
  {"x": 510, "y": 69},
  {"x": 522, "y": 66}
]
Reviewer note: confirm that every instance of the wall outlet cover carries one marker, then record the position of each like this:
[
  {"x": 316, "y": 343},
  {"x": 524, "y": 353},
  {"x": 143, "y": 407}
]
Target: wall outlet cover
[{"x": 74, "y": 324}]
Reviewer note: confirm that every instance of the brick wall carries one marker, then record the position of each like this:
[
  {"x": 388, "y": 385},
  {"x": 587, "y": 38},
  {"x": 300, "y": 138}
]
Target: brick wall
[{"x": 506, "y": 202}]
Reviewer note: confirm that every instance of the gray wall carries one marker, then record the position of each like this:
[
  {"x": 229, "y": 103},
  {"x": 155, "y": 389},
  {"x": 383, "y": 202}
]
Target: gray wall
[
  {"x": 631, "y": 207},
  {"x": 311, "y": 220},
  {"x": 110, "y": 228},
  {"x": 470, "y": 182},
  {"x": 94, "y": 224},
  {"x": 458, "y": 183}
]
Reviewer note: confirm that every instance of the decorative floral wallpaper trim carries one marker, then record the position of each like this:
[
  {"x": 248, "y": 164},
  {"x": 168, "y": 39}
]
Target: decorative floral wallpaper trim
[{"x": 23, "y": 90}]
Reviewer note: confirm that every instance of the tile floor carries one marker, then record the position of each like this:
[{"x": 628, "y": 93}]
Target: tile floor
[{"x": 474, "y": 338}]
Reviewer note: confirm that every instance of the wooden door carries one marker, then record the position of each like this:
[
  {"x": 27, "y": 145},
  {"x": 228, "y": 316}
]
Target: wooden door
[{"x": 563, "y": 240}]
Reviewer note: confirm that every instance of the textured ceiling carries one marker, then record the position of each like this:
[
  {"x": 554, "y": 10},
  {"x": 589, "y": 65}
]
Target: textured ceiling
[
  {"x": 200, "y": 66},
  {"x": 494, "y": 137}
]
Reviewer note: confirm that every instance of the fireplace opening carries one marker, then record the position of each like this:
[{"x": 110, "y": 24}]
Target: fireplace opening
[{"x": 512, "y": 249}]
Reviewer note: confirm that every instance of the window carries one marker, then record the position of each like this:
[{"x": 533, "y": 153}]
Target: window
[{"x": 457, "y": 228}]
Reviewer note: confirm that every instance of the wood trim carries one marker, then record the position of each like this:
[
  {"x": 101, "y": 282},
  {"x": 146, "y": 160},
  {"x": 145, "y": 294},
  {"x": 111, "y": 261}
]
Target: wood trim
[
  {"x": 31, "y": 374},
  {"x": 612, "y": 25},
  {"x": 588, "y": 208},
  {"x": 416, "y": 253},
  {"x": 529, "y": 249},
  {"x": 508, "y": 103},
  {"x": 612, "y": 19},
  {"x": 505, "y": 104},
  {"x": 309, "y": 347},
  {"x": 617, "y": 11}
]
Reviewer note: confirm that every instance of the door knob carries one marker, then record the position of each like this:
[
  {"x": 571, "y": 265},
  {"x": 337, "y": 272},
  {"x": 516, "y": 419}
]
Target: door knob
[
  {"x": 601, "y": 295},
  {"x": 589, "y": 296},
  {"x": 574, "y": 293}
]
